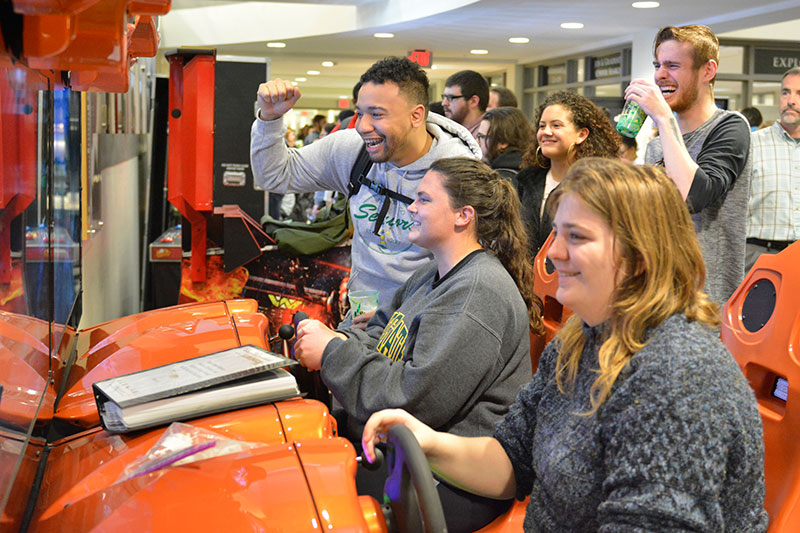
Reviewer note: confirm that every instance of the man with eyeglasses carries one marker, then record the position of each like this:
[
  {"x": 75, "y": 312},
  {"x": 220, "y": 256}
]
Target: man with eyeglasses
[
  {"x": 466, "y": 95},
  {"x": 705, "y": 150}
]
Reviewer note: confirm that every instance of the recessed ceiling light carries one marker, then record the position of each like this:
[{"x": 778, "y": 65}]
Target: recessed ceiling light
[
  {"x": 572, "y": 25},
  {"x": 276, "y": 45},
  {"x": 345, "y": 97},
  {"x": 645, "y": 5},
  {"x": 380, "y": 35},
  {"x": 294, "y": 84},
  {"x": 519, "y": 40},
  {"x": 312, "y": 72},
  {"x": 434, "y": 67},
  {"x": 301, "y": 79},
  {"x": 328, "y": 63},
  {"x": 479, "y": 52}
]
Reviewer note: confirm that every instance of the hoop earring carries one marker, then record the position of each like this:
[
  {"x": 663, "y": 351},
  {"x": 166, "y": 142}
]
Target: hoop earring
[
  {"x": 538, "y": 155},
  {"x": 570, "y": 153}
]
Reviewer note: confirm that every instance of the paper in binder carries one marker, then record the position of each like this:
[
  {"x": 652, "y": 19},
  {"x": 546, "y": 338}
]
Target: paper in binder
[{"x": 213, "y": 383}]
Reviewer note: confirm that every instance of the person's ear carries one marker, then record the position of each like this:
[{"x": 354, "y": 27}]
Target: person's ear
[
  {"x": 474, "y": 101},
  {"x": 709, "y": 70},
  {"x": 465, "y": 215},
  {"x": 583, "y": 134},
  {"x": 418, "y": 116}
]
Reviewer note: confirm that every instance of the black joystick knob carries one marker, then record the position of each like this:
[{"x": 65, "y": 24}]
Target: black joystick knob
[
  {"x": 374, "y": 465},
  {"x": 286, "y": 332},
  {"x": 299, "y": 317}
]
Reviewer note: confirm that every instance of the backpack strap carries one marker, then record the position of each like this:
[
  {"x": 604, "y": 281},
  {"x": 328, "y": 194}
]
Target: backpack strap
[
  {"x": 359, "y": 171},
  {"x": 358, "y": 177}
]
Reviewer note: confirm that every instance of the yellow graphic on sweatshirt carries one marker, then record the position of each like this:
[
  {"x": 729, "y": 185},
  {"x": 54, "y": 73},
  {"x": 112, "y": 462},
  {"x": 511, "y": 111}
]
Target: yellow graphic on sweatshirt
[{"x": 392, "y": 343}]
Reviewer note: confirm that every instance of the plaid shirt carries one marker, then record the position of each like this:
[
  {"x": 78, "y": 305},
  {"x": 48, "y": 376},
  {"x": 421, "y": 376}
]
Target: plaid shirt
[{"x": 774, "y": 209}]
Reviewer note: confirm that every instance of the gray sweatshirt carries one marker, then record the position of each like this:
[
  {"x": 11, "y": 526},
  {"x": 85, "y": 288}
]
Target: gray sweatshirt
[
  {"x": 452, "y": 352},
  {"x": 677, "y": 446},
  {"x": 379, "y": 262}
]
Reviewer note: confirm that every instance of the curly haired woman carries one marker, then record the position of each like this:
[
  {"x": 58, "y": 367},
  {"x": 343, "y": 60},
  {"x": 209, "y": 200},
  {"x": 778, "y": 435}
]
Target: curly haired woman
[{"x": 569, "y": 127}]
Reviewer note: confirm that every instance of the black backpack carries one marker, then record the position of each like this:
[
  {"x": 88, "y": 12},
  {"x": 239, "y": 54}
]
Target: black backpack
[{"x": 300, "y": 238}]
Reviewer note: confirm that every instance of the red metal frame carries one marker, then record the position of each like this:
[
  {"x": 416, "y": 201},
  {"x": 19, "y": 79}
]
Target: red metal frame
[
  {"x": 191, "y": 147},
  {"x": 18, "y": 111}
]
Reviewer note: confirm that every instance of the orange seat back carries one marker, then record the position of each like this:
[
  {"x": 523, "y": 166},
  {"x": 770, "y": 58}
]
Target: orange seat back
[
  {"x": 545, "y": 285},
  {"x": 510, "y": 521},
  {"x": 761, "y": 328}
]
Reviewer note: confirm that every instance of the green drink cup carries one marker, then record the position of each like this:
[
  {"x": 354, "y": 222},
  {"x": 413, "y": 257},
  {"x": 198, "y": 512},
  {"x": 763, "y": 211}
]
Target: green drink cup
[{"x": 631, "y": 119}]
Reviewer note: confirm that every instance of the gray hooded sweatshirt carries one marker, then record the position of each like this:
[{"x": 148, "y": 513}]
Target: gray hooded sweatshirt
[{"x": 379, "y": 262}]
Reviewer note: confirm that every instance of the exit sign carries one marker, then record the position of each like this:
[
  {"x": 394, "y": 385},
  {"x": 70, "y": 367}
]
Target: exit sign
[{"x": 423, "y": 58}]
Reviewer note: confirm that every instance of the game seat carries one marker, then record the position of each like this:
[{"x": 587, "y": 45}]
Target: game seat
[{"x": 761, "y": 328}]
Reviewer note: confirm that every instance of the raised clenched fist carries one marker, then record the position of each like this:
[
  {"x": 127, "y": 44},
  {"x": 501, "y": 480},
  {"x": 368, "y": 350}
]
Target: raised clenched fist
[{"x": 276, "y": 97}]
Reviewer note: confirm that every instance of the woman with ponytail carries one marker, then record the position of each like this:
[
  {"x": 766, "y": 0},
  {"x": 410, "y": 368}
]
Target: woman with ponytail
[
  {"x": 453, "y": 346},
  {"x": 638, "y": 418}
]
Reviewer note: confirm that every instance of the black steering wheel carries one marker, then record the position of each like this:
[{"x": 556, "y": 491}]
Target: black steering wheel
[{"x": 413, "y": 497}]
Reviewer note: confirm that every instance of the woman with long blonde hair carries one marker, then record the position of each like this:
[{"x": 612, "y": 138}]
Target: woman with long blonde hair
[{"x": 638, "y": 418}]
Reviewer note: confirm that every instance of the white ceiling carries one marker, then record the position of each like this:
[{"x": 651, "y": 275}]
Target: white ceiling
[{"x": 341, "y": 31}]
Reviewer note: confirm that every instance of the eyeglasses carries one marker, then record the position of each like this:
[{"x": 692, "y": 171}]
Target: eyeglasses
[
  {"x": 481, "y": 136},
  {"x": 451, "y": 97}
]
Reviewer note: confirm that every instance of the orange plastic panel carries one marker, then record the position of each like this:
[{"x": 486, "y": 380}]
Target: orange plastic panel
[
  {"x": 47, "y": 35},
  {"x": 149, "y": 7},
  {"x": 373, "y": 514},
  {"x": 143, "y": 40},
  {"x": 25, "y": 361},
  {"x": 265, "y": 489},
  {"x": 765, "y": 355},
  {"x": 98, "y": 39},
  {"x": 510, "y": 521},
  {"x": 11, "y": 448},
  {"x": 306, "y": 419},
  {"x": 239, "y": 492},
  {"x": 151, "y": 339},
  {"x": 554, "y": 314},
  {"x": 330, "y": 468},
  {"x": 118, "y": 81},
  {"x": 51, "y": 7}
]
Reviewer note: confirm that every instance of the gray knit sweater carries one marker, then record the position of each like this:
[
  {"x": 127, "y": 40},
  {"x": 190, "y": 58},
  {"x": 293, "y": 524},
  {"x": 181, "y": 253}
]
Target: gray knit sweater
[{"x": 676, "y": 447}]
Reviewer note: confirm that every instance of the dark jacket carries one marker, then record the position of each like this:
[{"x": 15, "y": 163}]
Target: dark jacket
[
  {"x": 530, "y": 187},
  {"x": 507, "y": 164}
]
